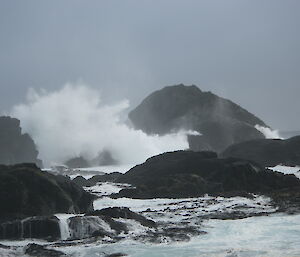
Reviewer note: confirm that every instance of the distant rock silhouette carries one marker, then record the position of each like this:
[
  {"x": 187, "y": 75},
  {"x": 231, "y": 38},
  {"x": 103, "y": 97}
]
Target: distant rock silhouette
[
  {"x": 267, "y": 152},
  {"x": 16, "y": 147},
  {"x": 77, "y": 162},
  {"x": 104, "y": 158},
  {"x": 220, "y": 121}
]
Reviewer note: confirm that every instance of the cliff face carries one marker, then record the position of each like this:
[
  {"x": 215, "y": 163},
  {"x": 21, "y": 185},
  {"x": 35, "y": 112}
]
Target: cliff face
[
  {"x": 220, "y": 121},
  {"x": 16, "y": 147}
]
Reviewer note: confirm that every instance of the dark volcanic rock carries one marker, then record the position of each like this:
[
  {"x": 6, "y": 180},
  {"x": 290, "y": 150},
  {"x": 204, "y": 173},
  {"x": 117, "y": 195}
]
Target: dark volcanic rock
[
  {"x": 77, "y": 162},
  {"x": 267, "y": 152},
  {"x": 16, "y": 147},
  {"x": 220, "y": 121},
  {"x": 111, "y": 177},
  {"x": 41, "y": 251},
  {"x": 190, "y": 174},
  {"x": 26, "y": 191},
  {"x": 41, "y": 227}
]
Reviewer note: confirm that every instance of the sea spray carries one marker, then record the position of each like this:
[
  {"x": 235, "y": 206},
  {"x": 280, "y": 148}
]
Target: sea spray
[
  {"x": 73, "y": 122},
  {"x": 267, "y": 132}
]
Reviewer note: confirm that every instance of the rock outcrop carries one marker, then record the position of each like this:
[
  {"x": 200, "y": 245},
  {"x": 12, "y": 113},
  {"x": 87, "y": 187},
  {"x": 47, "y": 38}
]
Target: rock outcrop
[
  {"x": 16, "y": 147},
  {"x": 220, "y": 121},
  {"x": 190, "y": 174},
  {"x": 267, "y": 152},
  {"x": 27, "y": 191}
]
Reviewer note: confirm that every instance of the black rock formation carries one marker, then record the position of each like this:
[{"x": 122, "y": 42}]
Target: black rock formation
[
  {"x": 190, "y": 174},
  {"x": 26, "y": 191},
  {"x": 220, "y": 121},
  {"x": 16, "y": 147},
  {"x": 267, "y": 152}
]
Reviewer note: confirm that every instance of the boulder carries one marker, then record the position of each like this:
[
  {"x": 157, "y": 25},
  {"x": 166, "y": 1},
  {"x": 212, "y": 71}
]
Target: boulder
[
  {"x": 26, "y": 191},
  {"x": 220, "y": 121},
  {"x": 16, "y": 147},
  {"x": 267, "y": 152},
  {"x": 190, "y": 174}
]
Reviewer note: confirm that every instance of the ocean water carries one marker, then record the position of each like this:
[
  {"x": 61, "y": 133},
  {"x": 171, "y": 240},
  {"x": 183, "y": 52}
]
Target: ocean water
[{"x": 272, "y": 235}]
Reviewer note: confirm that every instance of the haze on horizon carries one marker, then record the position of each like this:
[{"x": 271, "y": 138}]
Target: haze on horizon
[{"x": 246, "y": 51}]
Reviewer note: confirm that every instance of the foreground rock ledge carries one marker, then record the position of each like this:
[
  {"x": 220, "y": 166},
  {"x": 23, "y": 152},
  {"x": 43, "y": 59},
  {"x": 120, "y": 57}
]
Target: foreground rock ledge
[
  {"x": 27, "y": 191},
  {"x": 192, "y": 174}
]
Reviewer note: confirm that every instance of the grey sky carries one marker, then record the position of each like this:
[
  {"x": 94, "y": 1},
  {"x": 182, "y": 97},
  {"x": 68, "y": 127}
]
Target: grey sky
[{"x": 247, "y": 51}]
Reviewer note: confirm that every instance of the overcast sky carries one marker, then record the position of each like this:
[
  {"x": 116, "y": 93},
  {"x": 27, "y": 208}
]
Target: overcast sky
[{"x": 247, "y": 51}]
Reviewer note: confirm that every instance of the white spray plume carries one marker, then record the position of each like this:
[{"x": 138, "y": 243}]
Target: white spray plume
[
  {"x": 267, "y": 132},
  {"x": 72, "y": 122}
]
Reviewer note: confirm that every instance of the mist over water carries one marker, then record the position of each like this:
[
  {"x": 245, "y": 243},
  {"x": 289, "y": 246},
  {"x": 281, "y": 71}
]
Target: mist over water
[{"x": 72, "y": 122}]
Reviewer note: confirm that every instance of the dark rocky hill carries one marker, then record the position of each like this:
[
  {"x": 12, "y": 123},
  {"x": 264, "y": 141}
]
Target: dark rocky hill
[
  {"x": 190, "y": 174},
  {"x": 16, "y": 147},
  {"x": 267, "y": 152},
  {"x": 220, "y": 121}
]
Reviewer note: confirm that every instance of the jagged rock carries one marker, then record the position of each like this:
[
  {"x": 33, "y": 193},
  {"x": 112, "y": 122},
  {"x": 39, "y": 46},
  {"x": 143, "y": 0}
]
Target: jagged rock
[
  {"x": 16, "y": 147},
  {"x": 189, "y": 174},
  {"x": 111, "y": 177},
  {"x": 41, "y": 227},
  {"x": 267, "y": 152},
  {"x": 41, "y": 251},
  {"x": 220, "y": 121},
  {"x": 77, "y": 162},
  {"x": 26, "y": 191}
]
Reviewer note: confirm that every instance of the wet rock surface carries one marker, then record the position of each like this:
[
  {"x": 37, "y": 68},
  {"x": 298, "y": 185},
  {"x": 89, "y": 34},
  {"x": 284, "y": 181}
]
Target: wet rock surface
[{"x": 46, "y": 227}]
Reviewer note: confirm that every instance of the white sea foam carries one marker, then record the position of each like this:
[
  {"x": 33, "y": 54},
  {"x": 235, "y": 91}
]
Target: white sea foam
[{"x": 287, "y": 170}]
